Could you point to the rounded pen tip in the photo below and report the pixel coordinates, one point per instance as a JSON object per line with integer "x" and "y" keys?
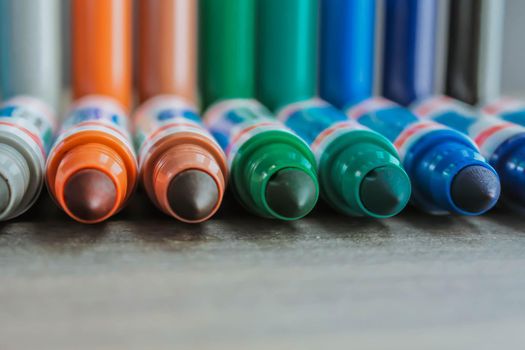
{"x": 475, "y": 189}
{"x": 383, "y": 191}
{"x": 193, "y": 195}
{"x": 90, "y": 195}
{"x": 291, "y": 193}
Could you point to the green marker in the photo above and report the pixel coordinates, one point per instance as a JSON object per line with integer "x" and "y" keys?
{"x": 272, "y": 170}
{"x": 287, "y": 53}
{"x": 227, "y": 49}
{"x": 360, "y": 173}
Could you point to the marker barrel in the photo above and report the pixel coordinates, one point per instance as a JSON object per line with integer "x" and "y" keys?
{"x": 94, "y": 137}
{"x": 30, "y": 50}
{"x": 287, "y": 51}
{"x": 227, "y": 49}
{"x": 258, "y": 149}
{"x": 27, "y": 126}
{"x": 347, "y": 50}
{"x": 167, "y": 44}
{"x": 475, "y": 50}
{"x": 171, "y": 139}
{"x": 500, "y": 140}
{"x": 463, "y": 50}
{"x": 410, "y": 50}
{"x": 101, "y": 49}
{"x": 347, "y": 154}
{"x": 432, "y": 154}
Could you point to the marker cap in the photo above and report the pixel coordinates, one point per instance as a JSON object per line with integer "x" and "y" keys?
{"x": 14, "y": 180}
{"x": 276, "y": 162}
{"x": 104, "y": 165}
{"x": 361, "y": 175}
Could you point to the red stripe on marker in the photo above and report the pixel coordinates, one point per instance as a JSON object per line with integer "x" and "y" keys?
{"x": 34, "y": 137}
{"x": 483, "y": 137}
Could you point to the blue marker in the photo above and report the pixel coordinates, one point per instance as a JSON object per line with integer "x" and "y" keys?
{"x": 347, "y": 50}
{"x": 410, "y": 50}
{"x": 500, "y": 140}
{"x": 448, "y": 173}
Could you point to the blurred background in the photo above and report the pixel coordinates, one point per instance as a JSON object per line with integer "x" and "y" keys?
{"x": 513, "y": 72}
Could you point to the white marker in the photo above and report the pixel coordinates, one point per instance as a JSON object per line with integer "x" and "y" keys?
{"x": 27, "y": 126}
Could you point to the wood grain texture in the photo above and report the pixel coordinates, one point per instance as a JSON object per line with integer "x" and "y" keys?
{"x": 143, "y": 281}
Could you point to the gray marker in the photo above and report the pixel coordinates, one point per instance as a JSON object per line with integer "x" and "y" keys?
{"x": 27, "y": 126}
{"x": 30, "y": 54}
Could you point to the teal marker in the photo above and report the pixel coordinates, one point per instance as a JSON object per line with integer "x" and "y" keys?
{"x": 360, "y": 173}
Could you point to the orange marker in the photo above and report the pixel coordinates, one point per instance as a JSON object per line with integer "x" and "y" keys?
{"x": 167, "y": 48}
{"x": 183, "y": 169}
{"x": 101, "y": 44}
{"x": 91, "y": 170}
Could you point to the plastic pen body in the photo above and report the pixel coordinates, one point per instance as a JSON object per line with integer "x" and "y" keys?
{"x": 410, "y": 49}
{"x": 347, "y": 50}
{"x": 439, "y": 160}
{"x": 30, "y": 50}
{"x": 474, "y": 50}
{"x": 167, "y": 49}
{"x": 227, "y": 50}
{"x": 101, "y": 49}
{"x": 287, "y": 51}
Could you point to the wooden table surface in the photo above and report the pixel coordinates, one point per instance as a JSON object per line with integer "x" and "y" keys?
{"x": 143, "y": 281}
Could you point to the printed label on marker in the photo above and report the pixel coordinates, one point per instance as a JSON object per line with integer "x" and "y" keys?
{"x": 325, "y": 139}
{"x": 31, "y": 119}
{"x": 502, "y": 106}
{"x": 487, "y": 132}
{"x": 413, "y": 134}
{"x": 97, "y": 113}
{"x": 318, "y": 123}
{"x": 383, "y": 116}
{"x": 370, "y": 105}
{"x": 508, "y": 109}
{"x": 234, "y": 122}
{"x": 436, "y": 106}
{"x": 447, "y": 111}
{"x": 164, "y": 116}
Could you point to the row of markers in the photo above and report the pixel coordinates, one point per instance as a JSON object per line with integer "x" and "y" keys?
{"x": 365, "y": 155}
